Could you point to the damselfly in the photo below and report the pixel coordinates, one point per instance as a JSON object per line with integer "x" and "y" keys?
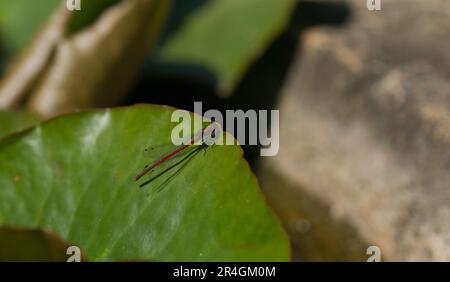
{"x": 203, "y": 139}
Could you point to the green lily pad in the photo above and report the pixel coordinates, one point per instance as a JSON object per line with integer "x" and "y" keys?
{"x": 73, "y": 175}
{"x": 226, "y": 36}
{"x": 11, "y": 121}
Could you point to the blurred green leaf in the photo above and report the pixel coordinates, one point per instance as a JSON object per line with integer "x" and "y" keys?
{"x": 20, "y": 19}
{"x": 74, "y": 175}
{"x": 93, "y": 67}
{"x": 91, "y": 10}
{"x": 11, "y": 121}
{"x": 226, "y": 36}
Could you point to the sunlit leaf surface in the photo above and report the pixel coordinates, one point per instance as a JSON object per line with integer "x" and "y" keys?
{"x": 73, "y": 175}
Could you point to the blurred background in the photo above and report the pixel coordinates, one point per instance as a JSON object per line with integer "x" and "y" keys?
{"x": 363, "y": 96}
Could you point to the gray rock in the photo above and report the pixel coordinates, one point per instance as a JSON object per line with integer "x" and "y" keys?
{"x": 365, "y": 134}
